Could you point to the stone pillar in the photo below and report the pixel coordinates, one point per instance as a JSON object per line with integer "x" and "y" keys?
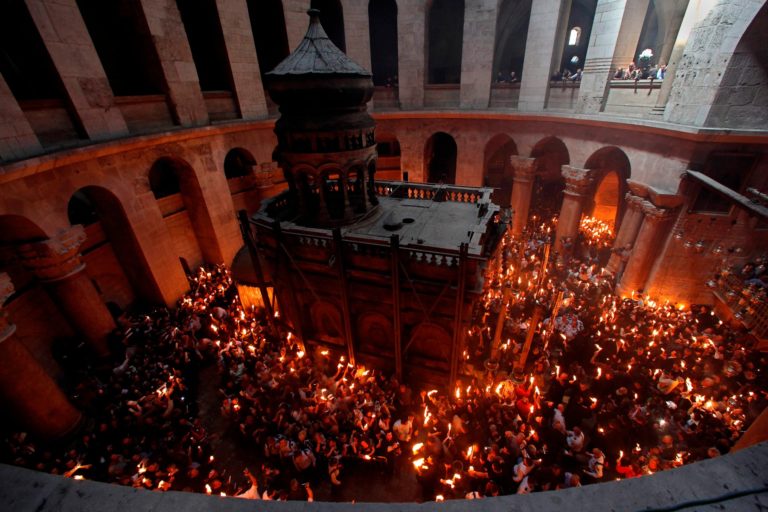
{"x": 17, "y": 138}
{"x": 411, "y": 58}
{"x": 357, "y": 31}
{"x": 545, "y": 36}
{"x": 56, "y": 263}
{"x": 32, "y": 397}
{"x": 243, "y": 61}
{"x": 612, "y": 44}
{"x": 630, "y": 225}
{"x": 522, "y": 190}
{"x": 477, "y": 53}
{"x": 695, "y": 12}
{"x": 646, "y": 248}
{"x": 66, "y": 38}
{"x": 578, "y": 185}
{"x": 179, "y": 72}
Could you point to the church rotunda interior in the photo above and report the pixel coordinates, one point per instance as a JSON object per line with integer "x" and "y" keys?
{"x": 383, "y": 250}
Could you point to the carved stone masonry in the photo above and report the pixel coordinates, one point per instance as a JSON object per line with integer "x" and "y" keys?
{"x": 524, "y": 167}
{"x": 56, "y": 258}
{"x": 655, "y": 214}
{"x": 633, "y": 201}
{"x": 578, "y": 182}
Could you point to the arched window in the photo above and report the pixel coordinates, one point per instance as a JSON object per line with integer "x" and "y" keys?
{"x": 445, "y": 38}
{"x": 238, "y": 163}
{"x": 574, "y": 36}
{"x": 163, "y": 179}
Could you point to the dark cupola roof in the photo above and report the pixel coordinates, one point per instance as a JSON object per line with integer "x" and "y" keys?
{"x": 317, "y": 55}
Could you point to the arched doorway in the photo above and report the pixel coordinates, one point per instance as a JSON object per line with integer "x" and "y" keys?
{"x": 613, "y": 170}
{"x": 114, "y": 260}
{"x": 243, "y": 187}
{"x": 388, "y": 161}
{"x": 440, "y": 159}
{"x": 511, "y": 36}
{"x": 181, "y": 202}
{"x": 497, "y": 172}
{"x": 550, "y": 154}
{"x": 382, "y": 26}
{"x": 332, "y": 19}
{"x": 445, "y": 36}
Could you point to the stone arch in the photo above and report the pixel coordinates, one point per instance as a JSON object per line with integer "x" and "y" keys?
{"x": 551, "y": 154}
{"x": 375, "y": 334}
{"x": 327, "y": 322}
{"x": 382, "y": 26}
{"x": 440, "y": 152}
{"x": 430, "y": 345}
{"x": 497, "y": 172}
{"x": 269, "y": 33}
{"x": 610, "y": 184}
{"x": 125, "y": 272}
{"x": 238, "y": 163}
{"x": 445, "y": 36}
{"x": 356, "y": 186}
{"x": 332, "y": 19}
{"x": 511, "y": 35}
{"x": 190, "y": 200}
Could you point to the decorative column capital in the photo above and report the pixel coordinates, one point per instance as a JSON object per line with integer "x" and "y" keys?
{"x": 633, "y": 201}
{"x": 6, "y": 290}
{"x": 524, "y": 167}
{"x": 56, "y": 258}
{"x": 578, "y": 182}
{"x": 655, "y": 214}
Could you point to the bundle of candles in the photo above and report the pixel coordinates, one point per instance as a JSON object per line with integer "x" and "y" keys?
{"x": 596, "y": 232}
{"x": 613, "y": 388}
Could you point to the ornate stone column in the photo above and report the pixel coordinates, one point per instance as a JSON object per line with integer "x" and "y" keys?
{"x": 646, "y": 248}
{"x": 578, "y": 185}
{"x": 56, "y": 262}
{"x": 522, "y": 190}
{"x": 33, "y": 398}
{"x": 630, "y": 225}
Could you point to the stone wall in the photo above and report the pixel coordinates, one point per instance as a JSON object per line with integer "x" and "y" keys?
{"x": 702, "y": 70}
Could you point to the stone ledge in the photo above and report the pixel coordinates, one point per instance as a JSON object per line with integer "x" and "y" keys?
{"x": 736, "y": 481}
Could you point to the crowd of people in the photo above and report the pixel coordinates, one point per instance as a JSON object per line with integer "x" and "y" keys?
{"x": 634, "y": 72}
{"x": 613, "y": 387}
